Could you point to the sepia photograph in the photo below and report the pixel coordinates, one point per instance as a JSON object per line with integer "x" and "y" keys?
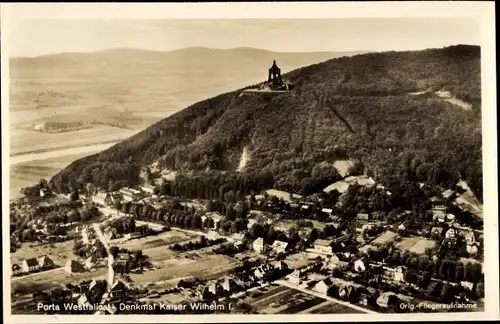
{"x": 249, "y": 159}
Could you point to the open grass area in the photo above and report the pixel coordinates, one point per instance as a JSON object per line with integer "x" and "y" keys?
{"x": 415, "y": 244}
{"x": 51, "y": 279}
{"x": 421, "y": 245}
{"x": 298, "y": 260}
{"x": 59, "y": 252}
{"x": 334, "y": 308}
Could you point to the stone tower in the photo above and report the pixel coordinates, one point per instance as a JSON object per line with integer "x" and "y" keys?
{"x": 275, "y": 75}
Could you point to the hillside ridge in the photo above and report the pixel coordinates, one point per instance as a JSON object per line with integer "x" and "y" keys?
{"x": 295, "y": 139}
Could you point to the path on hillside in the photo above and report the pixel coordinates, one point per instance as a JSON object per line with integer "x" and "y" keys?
{"x": 323, "y": 103}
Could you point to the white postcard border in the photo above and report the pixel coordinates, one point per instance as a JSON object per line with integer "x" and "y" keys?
{"x": 482, "y": 11}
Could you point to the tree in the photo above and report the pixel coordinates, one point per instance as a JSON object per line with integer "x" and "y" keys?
{"x": 74, "y": 196}
{"x": 197, "y": 222}
{"x": 203, "y": 241}
{"x": 479, "y": 291}
{"x": 118, "y": 206}
{"x": 256, "y": 230}
{"x": 114, "y": 251}
{"x": 313, "y": 236}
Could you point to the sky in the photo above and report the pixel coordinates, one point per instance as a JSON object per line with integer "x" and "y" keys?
{"x": 35, "y": 37}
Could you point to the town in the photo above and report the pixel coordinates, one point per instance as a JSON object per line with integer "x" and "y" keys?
{"x": 347, "y": 249}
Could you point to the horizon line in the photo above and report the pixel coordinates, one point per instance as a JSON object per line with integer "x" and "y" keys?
{"x": 232, "y": 49}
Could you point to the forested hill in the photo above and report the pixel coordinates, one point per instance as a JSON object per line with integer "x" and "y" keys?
{"x": 379, "y": 108}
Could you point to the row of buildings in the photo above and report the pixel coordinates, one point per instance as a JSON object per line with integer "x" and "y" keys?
{"x": 33, "y": 265}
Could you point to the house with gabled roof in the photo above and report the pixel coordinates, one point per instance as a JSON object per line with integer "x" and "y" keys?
{"x": 83, "y": 301}
{"x": 362, "y": 217}
{"x": 258, "y": 245}
{"x": 216, "y": 289}
{"x": 45, "y": 262}
{"x": 230, "y": 285}
{"x": 296, "y": 277}
{"x": 323, "y": 286}
{"x": 281, "y": 265}
{"x": 110, "y": 233}
{"x": 102, "y": 198}
{"x": 117, "y": 288}
{"x": 323, "y": 246}
{"x": 90, "y": 262}
{"x": 279, "y": 246}
{"x": 30, "y": 265}
{"x": 130, "y": 194}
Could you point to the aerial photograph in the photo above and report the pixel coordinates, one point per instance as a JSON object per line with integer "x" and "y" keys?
{"x": 245, "y": 166}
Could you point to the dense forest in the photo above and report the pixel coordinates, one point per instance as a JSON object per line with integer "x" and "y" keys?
{"x": 377, "y": 108}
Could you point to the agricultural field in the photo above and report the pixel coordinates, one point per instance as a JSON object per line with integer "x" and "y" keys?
{"x": 26, "y": 141}
{"x": 29, "y": 173}
{"x": 59, "y": 252}
{"x": 283, "y": 300}
{"x": 415, "y": 244}
{"x": 207, "y": 267}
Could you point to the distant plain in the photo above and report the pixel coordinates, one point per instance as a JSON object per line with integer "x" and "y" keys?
{"x": 73, "y": 100}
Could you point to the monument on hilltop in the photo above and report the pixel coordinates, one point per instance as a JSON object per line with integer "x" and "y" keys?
{"x": 274, "y": 79}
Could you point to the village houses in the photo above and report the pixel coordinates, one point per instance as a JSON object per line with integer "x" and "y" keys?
{"x": 102, "y": 198}
{"x": 30, "y": 265}
{"x": 130, "y": 194}
{"x": 363, "y": 217}
{"x": 148, "y": 188}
